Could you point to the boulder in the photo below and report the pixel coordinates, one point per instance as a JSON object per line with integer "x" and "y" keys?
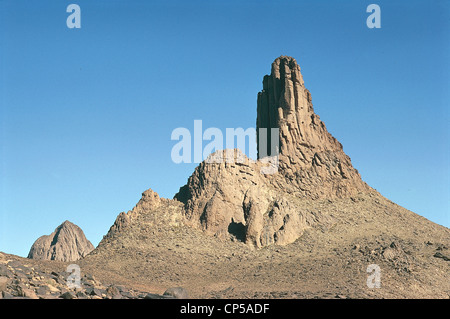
{"x": 68, "y": 295}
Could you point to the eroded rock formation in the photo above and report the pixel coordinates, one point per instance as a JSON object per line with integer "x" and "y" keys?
{"x": 149, "y": 202}
{"x": 236, "y": 199}
{"x": 312, "y": 162}
{"x": 66, "y": 243}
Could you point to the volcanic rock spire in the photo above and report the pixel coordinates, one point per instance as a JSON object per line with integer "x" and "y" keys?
{"x": 236, "y": 199}
{"x": 311, "y": 161}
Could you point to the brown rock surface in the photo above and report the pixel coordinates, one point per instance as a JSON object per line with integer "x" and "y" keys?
{"x": 234, "y": 200}
{"x": 66, "y": 243}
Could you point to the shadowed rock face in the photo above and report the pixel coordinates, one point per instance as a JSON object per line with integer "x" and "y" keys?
{"x": 66, "y": 243}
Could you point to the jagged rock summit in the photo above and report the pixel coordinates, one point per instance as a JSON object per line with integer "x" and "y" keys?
{"x": 312, "y": 162}
{"x": 236, "y": 198}
{"x": 66, "y": 243}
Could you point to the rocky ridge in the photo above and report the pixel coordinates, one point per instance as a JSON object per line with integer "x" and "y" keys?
{"x": 234, "y": 200}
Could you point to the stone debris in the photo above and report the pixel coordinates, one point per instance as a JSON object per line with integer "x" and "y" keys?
{"x": 19, "y": 281}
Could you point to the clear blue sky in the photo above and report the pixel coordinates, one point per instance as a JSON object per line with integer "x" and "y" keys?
{"x": 86, "y": 114}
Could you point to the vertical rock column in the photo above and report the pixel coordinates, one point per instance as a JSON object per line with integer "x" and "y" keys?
{"x": 311, "y": 161}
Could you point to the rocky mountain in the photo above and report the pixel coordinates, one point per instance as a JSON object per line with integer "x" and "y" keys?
{"x": 66, "y": 243}
{"x": 262, "y": 209}
{"x": 311, "y": 229}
